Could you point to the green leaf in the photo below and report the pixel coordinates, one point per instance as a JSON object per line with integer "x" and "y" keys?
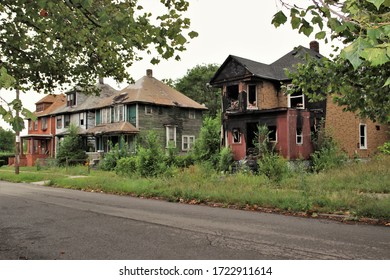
{"x": 387, "y": 82}
{"x": 320, "y": 35}
{"x": 377, "y": 3}
{"x": 295, "y": 22}
{"x": 306, "y": 28}
{"x": 193, "y": 34}
{"x": 279, "y": 19}
{"x": 353, "y": 51}
{"x": 376, "y": 56}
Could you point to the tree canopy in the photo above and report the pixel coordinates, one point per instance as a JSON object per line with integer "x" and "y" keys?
{"x": 195, "y": 85}
{"x": 360, "y": 73}
{"x": 48, "y": 43}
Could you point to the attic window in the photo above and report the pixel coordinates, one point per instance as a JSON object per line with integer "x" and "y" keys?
{"x": 40, "y": 107}
{"x": 296, "y": 101}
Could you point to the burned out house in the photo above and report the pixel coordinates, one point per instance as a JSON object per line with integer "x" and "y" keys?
{"x": 252, "y": 95}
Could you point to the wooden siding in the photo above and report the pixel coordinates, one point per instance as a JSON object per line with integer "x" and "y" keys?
{"x": 163, "y": 116}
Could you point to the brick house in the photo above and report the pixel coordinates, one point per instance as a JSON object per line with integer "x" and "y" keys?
{"x": 41, "y": 132}
{"x": 253, "y": 95}
{"x": 356, "y": 136}
{"x": 147, "y": 105}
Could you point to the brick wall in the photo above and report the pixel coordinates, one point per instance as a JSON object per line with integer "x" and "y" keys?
{"x": 344, "y": 127}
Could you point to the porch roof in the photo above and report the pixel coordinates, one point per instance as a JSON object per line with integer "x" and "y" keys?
{"x": 44, "y": 136}
{"x": 110, "y": 128}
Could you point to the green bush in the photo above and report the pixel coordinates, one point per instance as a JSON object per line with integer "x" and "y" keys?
{"x": 150, "y": 159}
{"x": 207, "y": 145}
{"x": 273, "y": 166}
{"x": 225, "y": 159}
{"x": 126, "y": 166}
{"x": 120, "y": 150}
{"x": 184, "y": 161}
{"x": 385, "y": 149}
{"x": 71, "y": 150}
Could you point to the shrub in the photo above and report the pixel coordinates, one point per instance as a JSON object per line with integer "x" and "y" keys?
{"x": 273, "y": 166}
{"x": 225, "y": 159}
{"x": 71, "y": 149}
{"x": 126, "y": 166}
{"x": 184, "y": 161}
{"x": 207, "y": 146}
{"x": 150, "y": 159}
{"x": 385, "y": 149}
{"x": 120, "y": 150}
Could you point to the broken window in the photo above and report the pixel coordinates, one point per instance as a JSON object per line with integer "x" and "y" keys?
{"x": 252, "y": 97}
{"x": 363, "y": 136}
{"x": 236, "y": 136}
{"x": 170, "y": 135}
{"x": 299, "y": 136}
{"x": 272, "y": 136}
{"x": 296, "y": 101}
{"x": 232, "y": 96}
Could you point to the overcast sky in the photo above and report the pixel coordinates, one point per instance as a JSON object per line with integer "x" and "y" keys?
{"x": 225, "y": 27}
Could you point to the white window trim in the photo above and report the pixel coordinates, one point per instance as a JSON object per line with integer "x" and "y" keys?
{"x": 252, "y": 107}
{"x": 118, "y": 111}
{"x": 189, "y": 144}
{"x": 299, "y": 135}
{"x": 296, "y": 96}
{"x": 167, "y": 140}
{"x": 363, "y": 147}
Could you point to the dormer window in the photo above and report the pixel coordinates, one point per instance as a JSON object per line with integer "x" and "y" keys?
{"x": 40, "y": 107}
{"x": 71, "y": 99}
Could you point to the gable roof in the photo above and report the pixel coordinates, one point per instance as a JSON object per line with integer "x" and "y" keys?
{"x": 274, "y": 71}
{"x": 152, "y": 91}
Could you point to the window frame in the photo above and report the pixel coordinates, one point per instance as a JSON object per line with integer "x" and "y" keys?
{"x": 250, "y": 106}
{"x": 236, "y": 140}
{"x": 363, "y": 137}
{"x": 167, "y": 135}
{"x": 148, "y": 110}
{"x": 186, "y": 140}
{"x": 66, "y": 121}
{"x": 299, "y": 136}
{"x": 59, "y": 121}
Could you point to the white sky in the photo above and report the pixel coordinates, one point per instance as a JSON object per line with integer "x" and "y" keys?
{"x": 241, "y": 28}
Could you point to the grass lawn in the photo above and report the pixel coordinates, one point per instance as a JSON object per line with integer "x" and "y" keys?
{"x": 358, "y": 190}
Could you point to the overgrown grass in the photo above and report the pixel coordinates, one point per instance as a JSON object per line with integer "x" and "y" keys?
{"x": 358, "y": 189}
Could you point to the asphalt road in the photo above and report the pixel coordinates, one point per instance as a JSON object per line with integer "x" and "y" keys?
{"x": 38, "y": 222}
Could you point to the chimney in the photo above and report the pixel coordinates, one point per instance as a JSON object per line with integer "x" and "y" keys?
{"x": 101, "y": 80}
{"x": 149, "y": 73}
{"x": 315, "y": 46}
